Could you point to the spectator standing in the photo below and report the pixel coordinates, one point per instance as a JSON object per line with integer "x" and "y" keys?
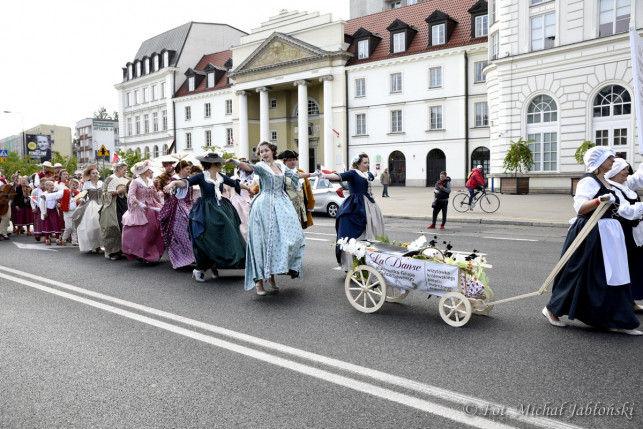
{"x": 441, "y": 202}
{"x": 385, "y": 178}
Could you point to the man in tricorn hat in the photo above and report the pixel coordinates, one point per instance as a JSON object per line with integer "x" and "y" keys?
{"x": 302, "y": 197}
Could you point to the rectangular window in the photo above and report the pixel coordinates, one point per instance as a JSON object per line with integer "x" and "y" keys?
{"x": 273, "y": 136}
{"x": 162, "y": 89}
{"x": 228, "y": 107}
{"x": 362, "y": 49}
{"x": 614, "y": 17}
{"x": 437, "y": 35}
{"x": 360, "y": 87}
{"x": 137, "y": 99}
{"x": 207, "y": 109}
{"x": 396, "y": 82}
{"x": 229, "y": 137}
{"x": 495, "y": 46}
{"x": 155, "y": 93}
{"x": 155, "y": 121}
{"x": 129, "y": 126}
{"x": 164, "y": 120}
{"x": 436, "y": 117}
{"x": 482, "y": 115}
{"x": 188, "y": 113}
{"x": 146, "y": 123}
{"x": 273, "y": 103}
{"x": 544, "y": 150}
{"x": 188, "y": 140}
{"x": 435, "y": 77}
{"x": 399, "y": 42}
{"x": 602, "y": 138}
{"x": 208, "y": 138}
{"x": 210, "y": 80}
{"x": 191, "y": 83}
{"x": 620, "y": 136}
{"x": 144, "y": 95}
{"x": 360, "y": 124}
{"x": 492, "y": 11}
{"x": 481, "y": 26}
{"x": 543, "y": 31}
{"x": 137, "y": 121}
{"x": 396, "y": 121}
{"x": 480, "y": 76}
{"x": 129, "y": 99}
{"x": 535, "y": 2}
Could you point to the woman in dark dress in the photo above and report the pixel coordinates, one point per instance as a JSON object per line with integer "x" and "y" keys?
{"x": 213, "y": 224}
{"x": 359, "y": 217}
{"x": 594, "y": 285}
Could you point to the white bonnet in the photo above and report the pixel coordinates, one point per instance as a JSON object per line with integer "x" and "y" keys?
{"x": 619, "y": 165}
{"x": 596, "y": 156}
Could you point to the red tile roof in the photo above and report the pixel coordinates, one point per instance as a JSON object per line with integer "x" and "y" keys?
{"x": 217, "y": 59}
{"x": 414, "y": 15}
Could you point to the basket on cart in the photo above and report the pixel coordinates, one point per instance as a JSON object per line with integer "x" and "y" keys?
{"x": 388, "y": 273}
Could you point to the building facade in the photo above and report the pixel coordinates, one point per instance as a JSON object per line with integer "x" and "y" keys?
{"x": 146, "y": 109}
{"x": 560, "y": 73}
{"x": 92, "y": 135}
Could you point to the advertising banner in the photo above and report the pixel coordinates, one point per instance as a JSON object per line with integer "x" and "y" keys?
{"x": 38, "y": 147}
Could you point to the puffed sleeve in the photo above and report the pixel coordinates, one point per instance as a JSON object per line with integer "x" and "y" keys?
{"x": 293, "y": 176}
{"x": 585, "y": 191}
{"x": 131, "y": 194}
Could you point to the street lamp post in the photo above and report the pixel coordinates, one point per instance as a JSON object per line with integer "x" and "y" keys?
{"x": 22, "y": 125}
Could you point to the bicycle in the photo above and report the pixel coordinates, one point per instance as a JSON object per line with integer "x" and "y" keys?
{"x": 489, "y": 203}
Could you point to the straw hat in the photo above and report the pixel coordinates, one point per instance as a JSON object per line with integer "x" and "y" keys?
{"x": 56, "y": 165}
{"x": 47, "y": 164}
{"x": 141, "y": 167}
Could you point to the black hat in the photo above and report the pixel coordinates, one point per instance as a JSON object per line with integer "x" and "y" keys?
{"x": 288, "y": 154}
{"x": 211, "y": 158}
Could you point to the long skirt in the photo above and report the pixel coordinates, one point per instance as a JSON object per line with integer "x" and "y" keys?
{"x": 581, "y": 292}
{"x": 37, "y": 224}
{"x": 374, "y": 228}
{"x": 22, "y": 216}
{"x": 50, "y": 223}
{"x": 174, "y": 229}
{"x": 144, "y": 241}
{"x": 215, "y": 235}
{"x": 86, "y": 219}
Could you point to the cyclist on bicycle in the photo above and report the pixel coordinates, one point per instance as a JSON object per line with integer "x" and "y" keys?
{"x": 475, "y": 183}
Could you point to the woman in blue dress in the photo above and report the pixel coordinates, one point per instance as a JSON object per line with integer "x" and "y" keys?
{"x": 359, "y": 217}
{"x": 213, "y": 223}
{"x": 276, "y": 242}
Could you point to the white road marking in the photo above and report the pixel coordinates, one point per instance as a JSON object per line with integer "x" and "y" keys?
{"x": 319, "y": 233}
{"x": 40, "y": 246}
{"x": 461, "y": 402}
{"x": 318, "y": 239}
{"x": 510, "y": 239}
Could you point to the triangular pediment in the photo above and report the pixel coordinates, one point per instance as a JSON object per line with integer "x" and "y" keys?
{"x": 279, "y": 49}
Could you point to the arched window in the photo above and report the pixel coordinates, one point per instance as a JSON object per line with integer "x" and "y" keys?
{"x": 542, "y": 128}
{"x": 156, "y": 151}
{"x": 436, "y": 161}
{"x": 397, "y": 168}
{"x": 138, "y": 151}
{"x": 481, "y": 156}
{"x": 146, "y": 152}
{"x": 165, "y": 150}
{"x": 611, "y": 117}
{"x": 313, "y": 108}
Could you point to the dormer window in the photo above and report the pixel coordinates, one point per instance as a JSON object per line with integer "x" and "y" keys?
{"x": 365, "y": 43}
{"x": 211, "y": 82}
{"x": 441, "y": 28}
{"x": 362, "y": 49}
{"x": 479, "y": 19}
{"x": 191, "y": 83}
{"x": 213, "y": 74}
{"x": 147, "y": 66}
{"x": 402, "y": 35}
{"x": 156, "y": 62}
{"x": 129, "y": 72}
{"x": 138, "y": 69}
{"x": 166, "y": 59}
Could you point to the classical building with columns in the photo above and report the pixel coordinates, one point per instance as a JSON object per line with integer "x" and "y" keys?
{"x": 289, "y": 84}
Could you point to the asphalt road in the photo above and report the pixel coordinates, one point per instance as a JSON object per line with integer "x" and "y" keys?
{"x": 86, "y": 342}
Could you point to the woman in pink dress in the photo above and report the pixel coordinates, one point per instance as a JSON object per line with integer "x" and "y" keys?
{"x": 142, "y": 238}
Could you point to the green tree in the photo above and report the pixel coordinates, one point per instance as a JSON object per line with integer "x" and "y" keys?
{"x": 24, "y": 164}
{"x": 131, "y": 157}
{"x": 580, "y": 151}
{"x": 102, "y": 113}
{"x": 227, "y": 168}
{"x": 115, "y": 115}
{"x": 518, "y": 157}
{"x": 69, "y": 163}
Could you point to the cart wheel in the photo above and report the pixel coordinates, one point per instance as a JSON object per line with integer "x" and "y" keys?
{"x": 395, "y": 294}
{"x": 483, "y": 306}
{"x": 455, "y": 309}
{"x": 365, "y": 289}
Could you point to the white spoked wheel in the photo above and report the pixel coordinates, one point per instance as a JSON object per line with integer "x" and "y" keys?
{"x": 395, "y": 294}
{"x": 365, "y": 289}
{"x": 455, "y": 309}
{"x": 484, "y": 306}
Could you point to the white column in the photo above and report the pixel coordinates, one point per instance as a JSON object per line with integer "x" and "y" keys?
{"x": 329, "y": 135}
{"x": 244, "y": 151}
{"x": 302, "y": 103}
{"x": 264, "y": 114}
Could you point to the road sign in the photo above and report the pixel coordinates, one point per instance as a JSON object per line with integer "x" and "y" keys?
{"x": 3, "y": 155}
{"x": 103, "y": 152}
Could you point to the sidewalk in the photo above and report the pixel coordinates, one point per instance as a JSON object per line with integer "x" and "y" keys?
{"x": 530, "y": 209}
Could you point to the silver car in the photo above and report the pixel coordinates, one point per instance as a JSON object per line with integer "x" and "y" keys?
{"x": 328, "y": 195}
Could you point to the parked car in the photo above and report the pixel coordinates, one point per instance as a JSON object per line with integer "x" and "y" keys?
{"x": 328, "y": 195}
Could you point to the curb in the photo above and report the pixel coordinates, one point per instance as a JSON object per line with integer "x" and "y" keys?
{"x": 518, "y": 222}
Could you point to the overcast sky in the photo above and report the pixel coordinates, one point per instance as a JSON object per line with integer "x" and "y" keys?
{"x": 60, "y": 59}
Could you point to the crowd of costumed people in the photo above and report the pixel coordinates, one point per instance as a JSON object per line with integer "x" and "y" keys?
{"x": 254, "y": 220}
